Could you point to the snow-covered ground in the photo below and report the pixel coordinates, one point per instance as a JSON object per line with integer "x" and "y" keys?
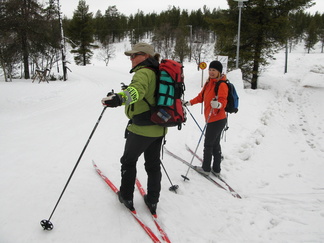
{"x": 274, "y": 158}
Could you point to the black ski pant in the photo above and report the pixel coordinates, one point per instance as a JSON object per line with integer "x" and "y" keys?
{"x": 134, "y": 147}
{"x": 212, "y": 147}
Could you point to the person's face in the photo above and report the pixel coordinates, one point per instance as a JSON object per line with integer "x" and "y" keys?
{"x": 213, "y": 73}
{"x": 137, "y": 58}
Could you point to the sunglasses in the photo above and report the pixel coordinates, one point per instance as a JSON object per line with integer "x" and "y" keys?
{"x": 136, "y": 54}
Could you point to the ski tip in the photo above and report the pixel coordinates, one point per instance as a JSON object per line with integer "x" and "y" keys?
{"x": 237, "y": 196}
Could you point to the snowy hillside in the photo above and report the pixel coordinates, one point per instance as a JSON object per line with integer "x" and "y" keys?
{"x": 274, "y": 158}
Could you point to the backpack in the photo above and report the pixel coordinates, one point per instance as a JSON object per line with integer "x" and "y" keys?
{"x": 232, "y": 97}
{"x": 169, "y": 111}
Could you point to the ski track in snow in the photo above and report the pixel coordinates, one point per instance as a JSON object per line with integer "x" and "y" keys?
{"x": 273, "y": 152}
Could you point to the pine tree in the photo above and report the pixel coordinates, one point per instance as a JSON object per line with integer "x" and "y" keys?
{"x": 321, "y": 32}
{"x": 181, "y": 49}
{"x": 80, "y": 32}
{"x": 26, "y": 27}
{"x": 264, "y": 28}
{"x": 8, "y": 47}
{"x": 311, "y": 35}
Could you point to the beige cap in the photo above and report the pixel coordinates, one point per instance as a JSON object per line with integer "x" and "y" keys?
{"x": 141, "y": 47}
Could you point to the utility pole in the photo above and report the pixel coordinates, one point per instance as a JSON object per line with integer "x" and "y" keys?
{"x": 240, "y": 5}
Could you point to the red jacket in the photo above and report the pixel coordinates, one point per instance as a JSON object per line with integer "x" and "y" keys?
{"x": 207, "y": 94}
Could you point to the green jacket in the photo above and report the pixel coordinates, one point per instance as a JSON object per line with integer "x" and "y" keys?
{"x": 142, "y": 85}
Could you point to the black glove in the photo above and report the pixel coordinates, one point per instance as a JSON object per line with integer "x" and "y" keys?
{"x": 112, "y": 100}
{"x": 111, "y": 93}
{"x": 123, "y": 86}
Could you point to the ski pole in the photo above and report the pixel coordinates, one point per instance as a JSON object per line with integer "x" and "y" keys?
{"x": 193, "y": 118}
{"x": 46, "y": 223}
{"x": 172, "y": 187}
{"x": 185, "y": 177}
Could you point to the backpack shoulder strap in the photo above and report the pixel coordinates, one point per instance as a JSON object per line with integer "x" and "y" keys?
{"x": 156, "y": 71}
{"x": 217, "y": 85}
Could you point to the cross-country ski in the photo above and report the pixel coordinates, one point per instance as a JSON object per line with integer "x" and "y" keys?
{"x": 219, "y": 184}
{"x": 233, "y": 192}
{"x": 134, "y": 213}
{"x": 154, "y": 216}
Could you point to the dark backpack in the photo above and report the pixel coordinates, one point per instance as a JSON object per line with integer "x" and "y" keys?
{"x": 232, "y": 97}
{"x": 168, "y": 111}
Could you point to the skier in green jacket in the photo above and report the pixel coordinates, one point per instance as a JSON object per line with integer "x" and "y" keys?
{"x": 143, "y": 136}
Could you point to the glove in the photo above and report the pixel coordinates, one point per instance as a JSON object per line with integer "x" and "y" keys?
{"x": 215, "y": 104}
{"x": 112, "y": 100}
{"x": 123, "y": 86}
{"x": 186, "y": 103}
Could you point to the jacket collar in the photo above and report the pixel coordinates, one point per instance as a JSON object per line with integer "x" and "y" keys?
{"x": 214, "y": 80}
{"x": 147, "y": 63}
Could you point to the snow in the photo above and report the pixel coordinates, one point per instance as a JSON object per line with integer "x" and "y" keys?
{"x": 273, "y": 152}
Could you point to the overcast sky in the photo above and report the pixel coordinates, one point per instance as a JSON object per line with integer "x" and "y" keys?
{"x": 128, "y": 7}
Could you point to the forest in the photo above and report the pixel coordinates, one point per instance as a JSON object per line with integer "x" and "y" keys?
{"x": 34, "y": 36}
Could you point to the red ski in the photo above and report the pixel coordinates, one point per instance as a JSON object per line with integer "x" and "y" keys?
{"x": 135, "y": 215}
{"x": 154, "y": 216}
